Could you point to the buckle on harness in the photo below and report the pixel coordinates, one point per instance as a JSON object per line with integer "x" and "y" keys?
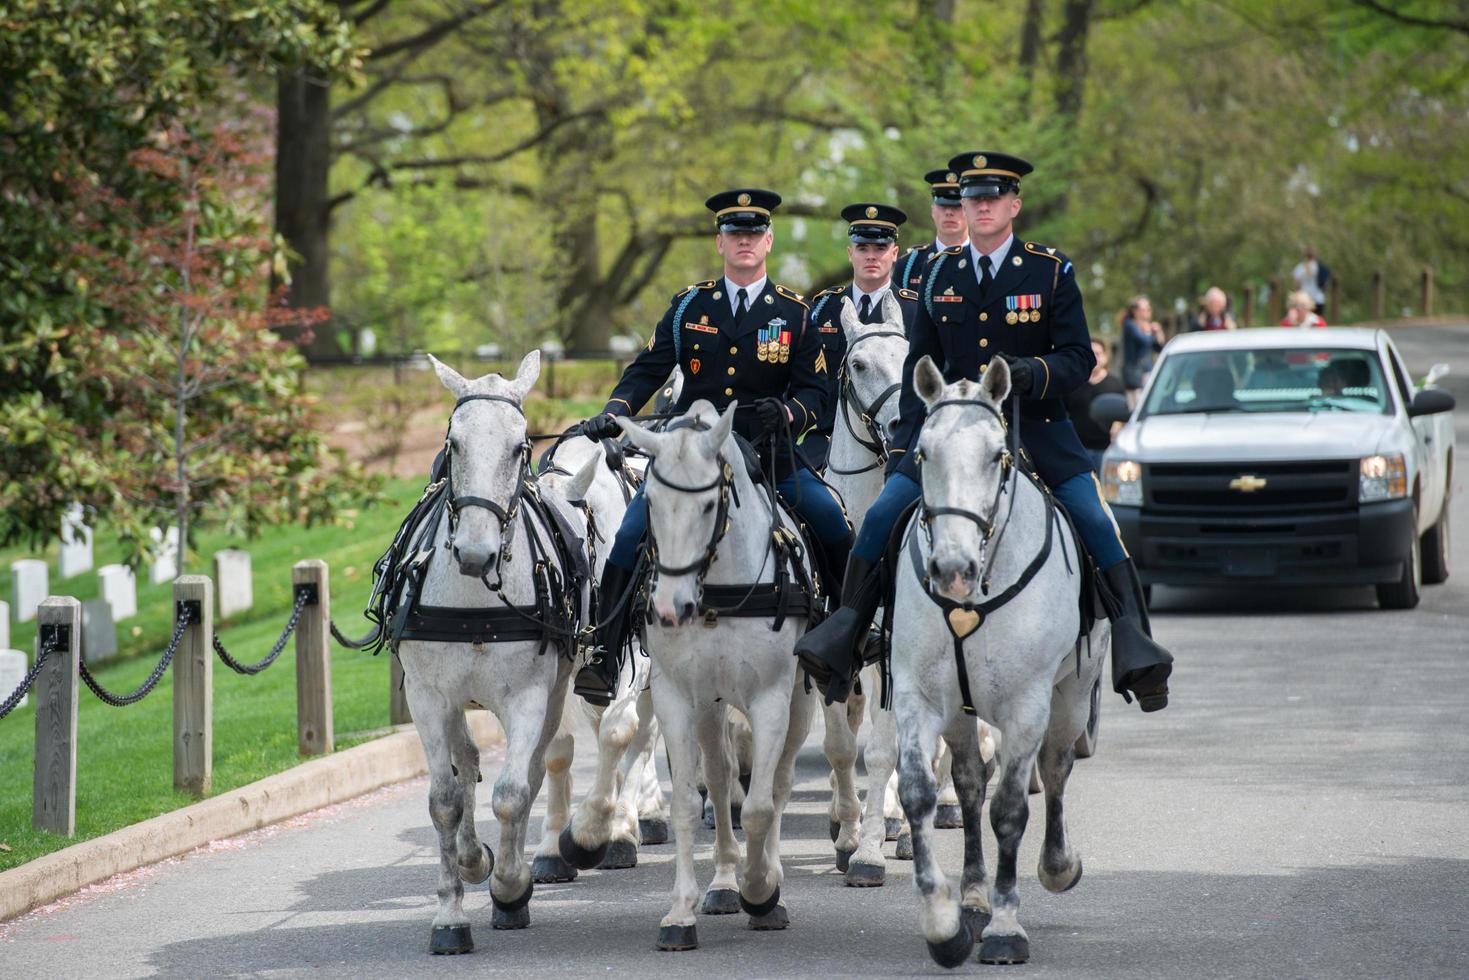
{"x": 711, "y": 618}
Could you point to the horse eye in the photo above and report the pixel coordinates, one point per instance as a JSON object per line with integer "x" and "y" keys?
{"x": 859, "y": 365}
{"x": 709, "y": 507}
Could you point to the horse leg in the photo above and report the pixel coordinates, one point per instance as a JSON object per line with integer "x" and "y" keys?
{"x": 770, "y": 726}
{"x": 475, "y": 861}
{"x": 971, "y": 773}
{"x": 676, "y": 931}
{"x": 948, "y": 935}
{"x": 586, "y": 843}
{"x": 528, "y": 731}
{"x": 1004, "y": 939}
{"x": 652, "y": 812}
{"x": 1060, "y": 867}
{"x": 722, "y": 896}
{"x": 799, "y": 725}
{"x": 548, "y": 865}
{"x": 626, "y": 830}
{"x": 840, "y": 747}
{"x": 867, "y": 868}
{"x": 948, "y": 816}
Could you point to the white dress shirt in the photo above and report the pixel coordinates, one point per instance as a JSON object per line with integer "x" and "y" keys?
{"x": 996, "y": 257}
{"x": 752, "y": 292}
{"x": 874, "y": 298}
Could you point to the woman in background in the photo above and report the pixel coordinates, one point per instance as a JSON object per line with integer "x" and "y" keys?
{"x": 1142, "y": 337}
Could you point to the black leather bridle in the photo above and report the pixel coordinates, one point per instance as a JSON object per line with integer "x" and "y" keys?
{"x": 724, "y": 482}
{"x": 505, "y": 513}
{"x": 876, "y": 440}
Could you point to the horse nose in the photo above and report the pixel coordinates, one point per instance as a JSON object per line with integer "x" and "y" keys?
{"x": 953, "y": 576}
{"x": 687, "y": 611}
{"x": 475, "y": 562}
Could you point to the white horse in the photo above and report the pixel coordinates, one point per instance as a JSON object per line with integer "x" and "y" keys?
{"x": 624, "y": 807}
{"x": 989, "y": 570}
{"x": 703, "y": 506}
{"x": 485, "y": 531}
{"x": 870, "y": 379}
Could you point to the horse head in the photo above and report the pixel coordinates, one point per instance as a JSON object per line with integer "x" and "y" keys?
{"x": 964, "y": 461}
{"x": 687, "y": 488}
{"x": 488, "y": 456}
{"x": 872, "y": 371}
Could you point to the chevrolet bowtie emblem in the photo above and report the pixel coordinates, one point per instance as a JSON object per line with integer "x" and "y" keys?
{"x": 1248, "y": 483}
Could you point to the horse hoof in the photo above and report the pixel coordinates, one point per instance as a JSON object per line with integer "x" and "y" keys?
{"x": 450, "y": 940}
{"x": 891, "y": 828}
{"x": 905, "y": 847}
{"x": 774, "y": 920}
{"x": 550, "y": 870}
{"x": 835, "y": 828}
{"x": 977, "y": 919}
{"x": 862, "y": 875}
{"x": 514, "y": 914}
{"x": 1062, "y": 881}
{"x": 576, "y": 855}
{"x": 954, "y": 950}
{"x": 756, "y": 911}
{"x": 489, "y": 867}
{"x": 720, "y": 901}
{"x": 676, "y": 938}
{"x": 948, "y": 816}
{"x": 1004, "y": 949}
{"x": 844, "y": 859}
{"x": 620, "y": 854}
{"x": 653, "y": 830}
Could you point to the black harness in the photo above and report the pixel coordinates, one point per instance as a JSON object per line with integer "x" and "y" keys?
{"x": 875, "y": 441}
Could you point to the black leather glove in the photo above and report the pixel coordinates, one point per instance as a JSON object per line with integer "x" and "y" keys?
{"x": 772, "y": 412}
{"x": 601, "y": 427}
{"x": 1022, "y": 374}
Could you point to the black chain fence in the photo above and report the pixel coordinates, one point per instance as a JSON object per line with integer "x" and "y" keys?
{"x": 304, "y": 597}
{"x": 185, "y": 616}
{"x": 47, "y": 647}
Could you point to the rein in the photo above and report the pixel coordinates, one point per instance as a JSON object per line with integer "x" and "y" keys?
{"x": 876, "y": 441}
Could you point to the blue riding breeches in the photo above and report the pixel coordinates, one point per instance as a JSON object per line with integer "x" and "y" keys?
{"x": 817, "y": 506}
{"x": 1080, "y": 494}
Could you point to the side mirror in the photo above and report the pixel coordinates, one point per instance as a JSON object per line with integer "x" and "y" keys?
{"x": 1429, "y": 401}
{"x": 1107, "y": 409}
{"x": 1435, "y": 374}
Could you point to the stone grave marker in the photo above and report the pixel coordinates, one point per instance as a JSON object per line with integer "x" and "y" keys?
{"x": 99, "y": 633}
{"x": 29, "y": 584}
{"x": 76, "y": 543}
{"x": 165, "y": 567}
{"x": 119, "y": 586}
{"x": 4, "y": 626}
{"x": 13, "y": 666}
{"x": 232, "y": 582}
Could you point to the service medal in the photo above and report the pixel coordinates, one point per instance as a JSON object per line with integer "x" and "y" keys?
{"x": 1011, "y": 317}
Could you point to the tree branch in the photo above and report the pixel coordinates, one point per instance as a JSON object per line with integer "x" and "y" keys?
{"x": 1461, "y": 26}
{"x": 434, "y": 33}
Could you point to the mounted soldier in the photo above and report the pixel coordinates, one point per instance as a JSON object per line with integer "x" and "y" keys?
{"x": 736, "y": 338}
{"x": 949, "y": 229}
{"x": 872, "y": 230}
{"x": 999, "y": 297}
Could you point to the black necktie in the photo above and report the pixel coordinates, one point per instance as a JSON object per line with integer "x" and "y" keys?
{"x": 985, "y": 278}
{"x": 740, "y": 305}
{"x": 864, "y": 310}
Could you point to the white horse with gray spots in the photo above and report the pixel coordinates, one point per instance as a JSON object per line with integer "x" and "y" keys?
{"x": 989, "y": 604}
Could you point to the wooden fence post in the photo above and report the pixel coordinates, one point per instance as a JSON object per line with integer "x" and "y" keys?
{"x": 1248, "y": 307}
{"x": 397, "y": 699}
{"x": 1379, "y": 296}
{"x": 1276, "y": 307}
{"x": 193, "y": 687}
{"x": 313, "y": 660}
{"x": 54, "y": 796}
{"x": 1427, "y": 290}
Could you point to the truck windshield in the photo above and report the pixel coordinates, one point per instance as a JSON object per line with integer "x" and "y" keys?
{"x": 1300, "y": 379}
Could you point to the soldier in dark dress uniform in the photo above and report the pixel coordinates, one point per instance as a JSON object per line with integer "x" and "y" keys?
{"x": 1001, "y": 297}
{"x": 948, "y": 229}
{"x": 737, "y": 338}
{"x": 873, "y": 231}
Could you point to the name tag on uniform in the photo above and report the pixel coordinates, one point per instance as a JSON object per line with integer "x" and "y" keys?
{"x": 701, "y": 327}
{"x": 948, "y": 299}
{"x": 829, "y": 329}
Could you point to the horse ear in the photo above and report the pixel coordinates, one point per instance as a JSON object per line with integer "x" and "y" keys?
{"x": 457, "y": 384}
{"x": 892, "y": 313}
{"x": 850, "y": 324}
{"x": 526, "y": 374}
{"x": 995, "y": 384}
{"x": 645, "y": 439}
{"x": 576, "y": 490}
{"x": 928, "y": 380}
{"x": 716, "y": 437}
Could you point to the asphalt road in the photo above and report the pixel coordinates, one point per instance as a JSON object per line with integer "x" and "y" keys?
{"x": 1300, "y": 810}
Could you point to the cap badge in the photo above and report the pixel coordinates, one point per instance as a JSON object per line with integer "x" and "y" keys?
{"x": 743, "y": 200}
{"x": 953, "y": 178}
{"x": 979, "y": 160}
{"x": 871, "y": 211}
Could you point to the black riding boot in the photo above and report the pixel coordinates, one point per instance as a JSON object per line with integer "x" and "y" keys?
{"x": 835, "y": 555}
{"x": 829, "y": 652}
{"x": 597, "y": 681}
{"x": 1139, "y": 665}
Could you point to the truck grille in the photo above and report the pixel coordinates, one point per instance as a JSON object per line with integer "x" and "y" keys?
{"x": 1203, "y": 489}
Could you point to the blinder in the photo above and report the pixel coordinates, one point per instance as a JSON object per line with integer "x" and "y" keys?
{"x": 876, "y": 441}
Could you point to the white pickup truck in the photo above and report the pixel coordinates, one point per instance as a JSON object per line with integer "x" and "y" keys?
{"x": 1284, "y": 457}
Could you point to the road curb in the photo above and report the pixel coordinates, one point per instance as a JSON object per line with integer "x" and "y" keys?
{"x": 301, "y": 789}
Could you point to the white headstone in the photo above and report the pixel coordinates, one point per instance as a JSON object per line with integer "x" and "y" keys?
{"x": 4, "y": 625}
{"x": 76, "y": 543}
{"x": 99, "y": 634}
{"x": 232, "y": 581}
{"x": 165, "y": 566}
{"x": 29, "y": 585}
{"x": 119, "y": 586}
{"x": 13, "y": 667}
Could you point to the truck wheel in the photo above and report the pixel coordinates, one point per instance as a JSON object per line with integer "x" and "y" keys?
{"x": 1404, "y": 593}
{"x": 1435, "y": 545}
{"x": 1086, "y": 742}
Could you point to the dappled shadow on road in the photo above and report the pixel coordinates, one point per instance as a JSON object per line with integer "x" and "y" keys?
{"x": 1389, "y": 919}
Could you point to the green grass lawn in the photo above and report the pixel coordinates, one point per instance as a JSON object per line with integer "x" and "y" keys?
{"x": 124, "y": 755}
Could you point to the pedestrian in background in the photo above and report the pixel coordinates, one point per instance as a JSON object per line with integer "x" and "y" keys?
{"x": 1142, "y": 337}
{"x": 1095, "y": 436}
{"x": 1311, "y": 278}
{"x": 1214, "y": 312}
{"x": 1300, "y": 312}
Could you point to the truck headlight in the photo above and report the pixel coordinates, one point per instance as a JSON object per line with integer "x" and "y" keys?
{"x": 1122, "y": 482}
{"x": 1384, "y": 477}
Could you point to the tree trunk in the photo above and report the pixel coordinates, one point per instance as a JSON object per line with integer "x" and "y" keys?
{"x": 1030, "y": 45}
{"x": 302, "y": 214}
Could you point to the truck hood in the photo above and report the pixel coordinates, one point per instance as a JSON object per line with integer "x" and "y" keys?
{"x": 1262, "y": 436}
